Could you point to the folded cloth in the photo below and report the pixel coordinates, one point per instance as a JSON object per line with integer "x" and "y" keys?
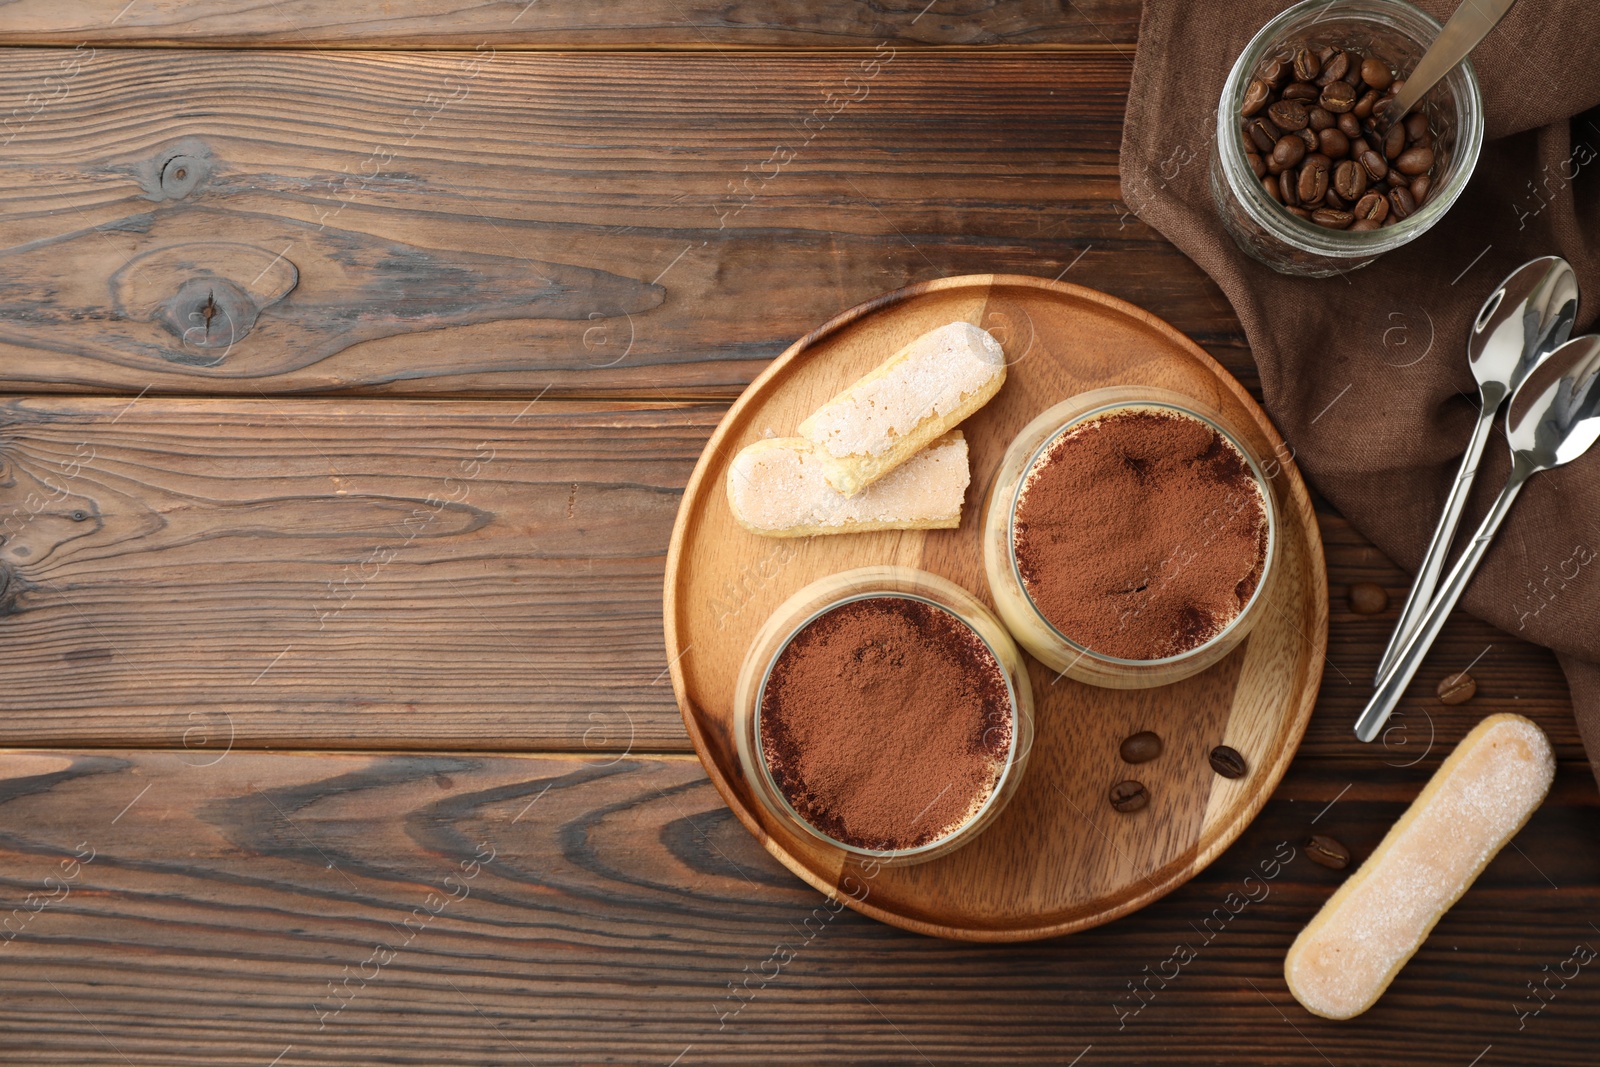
{"x": 1366, "y": 374}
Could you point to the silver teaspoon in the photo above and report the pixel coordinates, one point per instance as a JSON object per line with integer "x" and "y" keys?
{"x": 1553, "y": 419}
{"x": 1521, "y": 323}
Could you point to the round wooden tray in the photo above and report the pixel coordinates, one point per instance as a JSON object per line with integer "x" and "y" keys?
{"x": 1058, "y": 859}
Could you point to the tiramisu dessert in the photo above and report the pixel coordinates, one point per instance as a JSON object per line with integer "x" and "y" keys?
{"x": 886, "y": 723}
{"x": 1135, "y": 533}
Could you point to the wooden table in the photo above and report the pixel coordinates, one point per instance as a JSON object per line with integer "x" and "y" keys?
{"x": 356, "y": 356}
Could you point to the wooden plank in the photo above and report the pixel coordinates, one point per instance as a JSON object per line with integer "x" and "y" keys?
{"x": 262, "y": 570}
{"x": 572, "y": 24}
{"x": 339, "y": 908}
{"x": 470, "y": 223}
{"x": 311, "y": 573}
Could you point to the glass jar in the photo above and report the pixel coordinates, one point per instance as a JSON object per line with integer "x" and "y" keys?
{"x": 834, "y": 591}
{"x": 1016, "y": 606}
{"x": 1393, "y": 32}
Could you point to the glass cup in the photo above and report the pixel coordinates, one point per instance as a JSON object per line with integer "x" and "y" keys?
{"x": 1394, "y": 32}
{"x": 794, "y": 614}
{"x": 1016, "y": 606}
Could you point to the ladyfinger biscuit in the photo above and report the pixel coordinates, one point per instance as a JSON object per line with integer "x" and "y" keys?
{"x": 777, "y": 489}
{"x": 1477, "y": 801}
{"x": 892, "y": 412}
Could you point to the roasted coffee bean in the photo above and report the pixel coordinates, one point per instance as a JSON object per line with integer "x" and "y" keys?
{"x": 1421, "y": 186}
{"x": 1319, "y": 118}
{"x": 1458, "y": 688}
{"x": 1309, "y": 136}
{"x": 1256, "y": 95}
{"x": 1425, "y": 141}
{"x": 1364, "y": 106}
{"x": 1305, "y": 92}
{"x": 1320, "y": 848}
{"x": 1374, "y": 208}
{"x": 1273, "y": 188}
{"x": 1369, "y": 598}
{"x": 1274, "y": 70}
{"x": 1401, "y": 203}
{"x": 1377, "y": 168}
{"x": 1376, "y": 73}
{"x": 1306, "y": 65}
{"x": 1350, "y": 126}
{"x": 1363, "y": 225}
{"x": 1394, "y": 142}
{"x": 1129, "y": 796}
{"x": 1333, "y": 144}
{"x": 1350, "y": 180}
{"x": 1313, "y": 178}
{"x": 1353, "y": 75}
{"x": 1415, "y": 161}
{"x": 1334, "y": 69}
{"x": 1228, "y": 763}
{"x": 1338, "y": 97}
{"x": 1288, "y": 152}
{"x": 1395, "y": 86}
{"x": 1332, "y": 218}
{"x": 1288, "y": 188}
{"x": 1288, "y": 115}
{"x": 1263, "y": 133}
{"x": 1141, "y": 747}
{"x": 1416, "y": 125}
{"x": 1334, "y": 200}
{"x": 1257, "y": 164}
{"x": 1299, "y": 213}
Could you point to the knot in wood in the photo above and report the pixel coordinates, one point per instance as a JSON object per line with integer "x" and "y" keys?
{"x": 10, "y": 590}
{"x": 209, "y": 312}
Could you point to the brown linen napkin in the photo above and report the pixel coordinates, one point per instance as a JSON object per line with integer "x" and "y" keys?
{"x": 1366, "y": 375}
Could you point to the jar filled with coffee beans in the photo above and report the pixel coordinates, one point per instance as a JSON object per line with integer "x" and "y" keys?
{"x": 1307, "y": 173}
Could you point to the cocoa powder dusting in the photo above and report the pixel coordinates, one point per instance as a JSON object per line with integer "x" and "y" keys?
{"x": 1141, "y": 534}
{"x": 886, "y": 722}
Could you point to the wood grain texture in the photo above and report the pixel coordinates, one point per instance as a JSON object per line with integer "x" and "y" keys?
{"x": 311, "y": 573}
{"x": 653, "y": 24}
{"x": 1039, "y": 870}
{"x": 340, "y": 907}
{"x": 158, "y": 555}
{"x": 476, "y": 222}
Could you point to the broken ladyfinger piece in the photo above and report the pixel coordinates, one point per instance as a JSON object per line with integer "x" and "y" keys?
{"x": 777, "y": 488}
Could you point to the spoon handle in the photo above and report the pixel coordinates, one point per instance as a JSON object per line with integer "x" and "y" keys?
{"x": 1394, "y": 684}
{"x": 1439, "y": 548}
{"x": 1470, "y": 24}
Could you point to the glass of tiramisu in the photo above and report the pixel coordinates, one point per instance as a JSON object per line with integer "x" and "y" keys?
{"x": 885, "y": 712}
{"x": 1129, "y": 537}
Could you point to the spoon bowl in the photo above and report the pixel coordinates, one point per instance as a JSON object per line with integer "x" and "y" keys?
{"x": 1555, "y": 416}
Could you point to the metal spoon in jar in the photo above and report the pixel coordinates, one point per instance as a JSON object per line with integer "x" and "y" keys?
{"x": 1553, "y": 419}
{"x": 1521, "y": 323}
{"x": 1470, "y": 24}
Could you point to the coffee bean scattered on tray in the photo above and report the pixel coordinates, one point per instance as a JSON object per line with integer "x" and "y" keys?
{"x": 1227, "y": 762}
{"x": 1328, "y": 852}
{"x": 1141, "y": 747}
{"x": 1458, "y": 688}
{"x": 1368, "y": 598}
{"x": 1129, "y": 796}
{"x": 1314, "y": 135}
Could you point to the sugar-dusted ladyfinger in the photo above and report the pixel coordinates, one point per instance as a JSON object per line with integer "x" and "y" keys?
{"x": 892, "y": 412}
{"x": 777, "y": 488}
{"x": 1476, "y": 801}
